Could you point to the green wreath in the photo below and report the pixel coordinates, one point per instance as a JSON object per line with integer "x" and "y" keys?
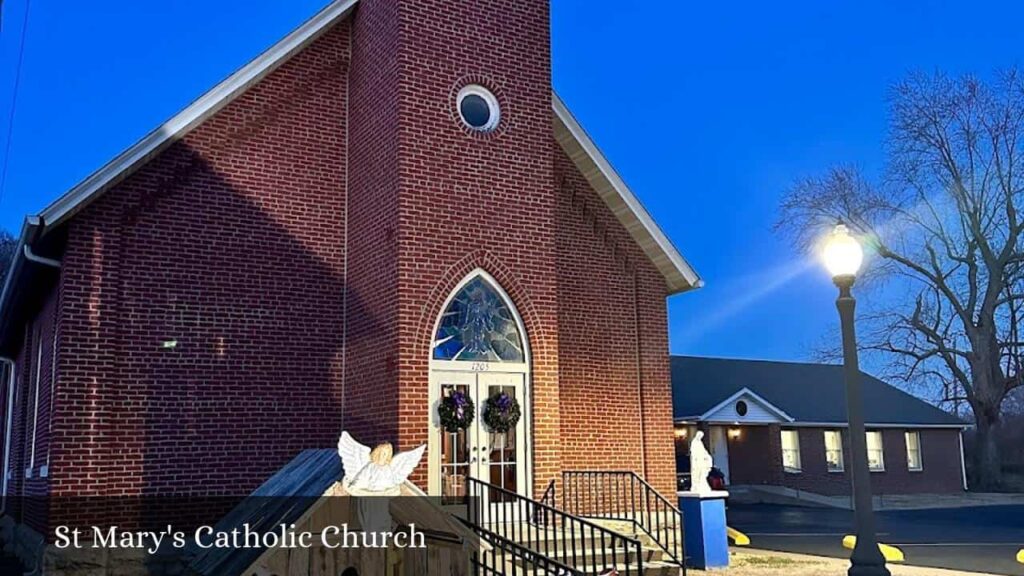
{"x": 456, "y": 411}
{"x": 502, "y": 412}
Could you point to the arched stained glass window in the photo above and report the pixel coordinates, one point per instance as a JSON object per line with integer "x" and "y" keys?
{"x": 478, "y": 326}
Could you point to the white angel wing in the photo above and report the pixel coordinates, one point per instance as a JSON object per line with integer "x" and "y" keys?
{"x": 354, "y": 456}
{"x": 403, "y": 464}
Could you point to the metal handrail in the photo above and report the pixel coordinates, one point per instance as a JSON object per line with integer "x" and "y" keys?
{"x": 624, "y": 495}
{"x": 547, "y": 499}
{"x": 584, "y": 546}
{"x": 494, "y": 561}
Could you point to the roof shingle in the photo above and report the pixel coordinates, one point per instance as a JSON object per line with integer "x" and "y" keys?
{"x": 807, "y": 392}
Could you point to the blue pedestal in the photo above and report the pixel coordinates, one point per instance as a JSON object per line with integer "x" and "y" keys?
{"x": 707, "y": 545}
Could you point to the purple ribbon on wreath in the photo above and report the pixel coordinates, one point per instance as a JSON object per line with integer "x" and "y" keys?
{"x": 504, "y": 403}
{"x": 460, "y": 400}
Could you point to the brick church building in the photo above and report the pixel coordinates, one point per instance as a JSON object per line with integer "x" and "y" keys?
{"x": 387, "y": 206}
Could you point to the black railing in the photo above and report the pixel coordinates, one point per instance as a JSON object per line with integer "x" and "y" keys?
{"x": 623, "y": 495}
{"x": 548, "y": 499}
{"x": 508, "y": 557}
{"x": 579, "y": 544}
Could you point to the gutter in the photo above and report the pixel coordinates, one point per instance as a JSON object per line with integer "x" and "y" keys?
{"x": 31, "y": 230}
{"x": 26, "y": 232}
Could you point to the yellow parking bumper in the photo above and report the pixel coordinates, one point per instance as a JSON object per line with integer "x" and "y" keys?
{"x": 890, "y": 553}
{"x": 738, "y": 538}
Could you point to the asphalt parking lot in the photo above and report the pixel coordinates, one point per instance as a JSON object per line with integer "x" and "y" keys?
{"x": 982, "y": 539}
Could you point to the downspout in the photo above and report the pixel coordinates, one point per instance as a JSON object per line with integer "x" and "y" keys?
{"x": 7, "y": 431}
{"x": 37, "y": 225}
{"x": 33, "y": 257}
{"x": 639, "y": 376}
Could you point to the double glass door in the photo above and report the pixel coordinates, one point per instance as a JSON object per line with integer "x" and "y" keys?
{"x": 498, "y": 458}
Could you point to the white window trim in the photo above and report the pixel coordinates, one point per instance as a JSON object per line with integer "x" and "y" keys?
{"x": 436, "y": 366}
{"x": 881, "y": 450}
{"x": 799, "y": 461}
{"x": 35, "y": 410}
{"x": 45, "y": 470}
{"x": 842, "y": 455}
{"x": 492, "y": 105}
{"x": 920, "y": 452}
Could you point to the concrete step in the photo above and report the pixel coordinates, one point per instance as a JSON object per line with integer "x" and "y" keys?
{"x": 589, "y": 547}
{"x": 588, "y": 556}
{"x": 624, "y": 567}
{"x": 591, "y": 552}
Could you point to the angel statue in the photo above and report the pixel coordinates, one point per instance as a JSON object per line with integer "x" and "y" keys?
{"x": 377, "y": 474}
{"x": 700, "y": 465}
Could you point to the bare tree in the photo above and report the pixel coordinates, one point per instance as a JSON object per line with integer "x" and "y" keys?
{"x": 8, "y": 244}
{"x": 944, "y": 222}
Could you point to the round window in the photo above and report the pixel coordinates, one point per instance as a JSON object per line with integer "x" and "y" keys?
{"x": 478, "y": 108}
{"x": 741, "y": 408}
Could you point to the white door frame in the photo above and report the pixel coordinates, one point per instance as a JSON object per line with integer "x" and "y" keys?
{"x": 440, "y": 366}
{"x": 719, "y": 444}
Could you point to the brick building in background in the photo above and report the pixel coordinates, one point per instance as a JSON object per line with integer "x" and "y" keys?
{"x": 388, "y": 205}
{"x": 782, "y": 425}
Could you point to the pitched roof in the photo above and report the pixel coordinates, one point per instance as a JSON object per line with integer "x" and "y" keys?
{"x": 282, "y": 499}
{"x": 292, "y": 493}
{"x": 679, "y": 275}
{"x": 809, "y": 393}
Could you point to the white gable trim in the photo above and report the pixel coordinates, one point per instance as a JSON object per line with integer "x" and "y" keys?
{"x": 205, "y": 106}
{"x": 679, "y": 275}
{"x": 623, "y": 203}
{"x": 714, "y": 413}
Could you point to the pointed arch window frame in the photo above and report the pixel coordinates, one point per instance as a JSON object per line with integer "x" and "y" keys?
{"x": 507, "y": 302}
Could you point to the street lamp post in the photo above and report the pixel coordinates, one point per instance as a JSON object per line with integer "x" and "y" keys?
{"x": 843, "y": 257}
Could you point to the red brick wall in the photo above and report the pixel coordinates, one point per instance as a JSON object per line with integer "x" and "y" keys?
{"x": 231, "y": 243}
{"x": 756, "y": 458}
{"x": 467, "y": 200}
{"x": 615, "y": 397}
{"x": 19, "y": 418}
{"x": 31, "y": 415}
{"x": 297, "y": 247}
{"x": 371, "y": 220}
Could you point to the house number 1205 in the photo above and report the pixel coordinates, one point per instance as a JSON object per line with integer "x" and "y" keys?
{"x": 480, "y": 367}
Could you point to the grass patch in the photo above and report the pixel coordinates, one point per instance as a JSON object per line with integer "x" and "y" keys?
{"x": 769, "y": 561}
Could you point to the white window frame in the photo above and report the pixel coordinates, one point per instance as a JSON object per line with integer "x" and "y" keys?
{"x": 916, "y": 435}
{"x": 880, "y": 449}
{"x": 795, "y": 435}
{"x": 838, "y": 435}
{"x": 492, "y": 105}
{"x": 44, "y": 470}
{"x": 35, "y": 409}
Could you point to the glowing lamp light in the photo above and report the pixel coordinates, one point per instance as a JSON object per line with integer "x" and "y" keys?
{"x": 680, "y": 432}
{"x": 734, "y": 433}
{"x": 843, "y": 255}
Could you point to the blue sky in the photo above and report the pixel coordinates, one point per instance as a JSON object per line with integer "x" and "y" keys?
{"x": 709, "y": 110}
